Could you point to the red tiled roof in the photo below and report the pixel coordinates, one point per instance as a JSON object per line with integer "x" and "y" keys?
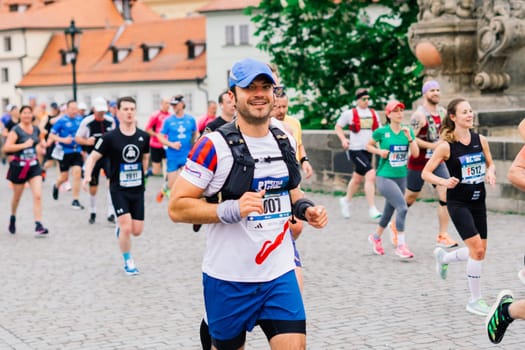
{"x": 94, "y": 64}
{"x": 87, "y": 14}
{"x": 226, "y": 5}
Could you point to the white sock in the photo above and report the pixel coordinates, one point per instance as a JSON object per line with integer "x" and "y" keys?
{"x": 460, "y": 254}
{"x": 400, "y": 239}
{"x": 93, "y": 203}
{"x": 474, "y": 276}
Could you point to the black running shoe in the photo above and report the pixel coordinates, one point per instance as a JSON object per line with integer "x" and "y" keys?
{"x": 12, "y": 226}
{"x": 92, "y": 218}
{"x": 76, "y": 205}
{"x": 111, "y": 218}
{"x": 41, "y": 231}
{"x": 55, "y": 192}
{"x": 496, "y": 322}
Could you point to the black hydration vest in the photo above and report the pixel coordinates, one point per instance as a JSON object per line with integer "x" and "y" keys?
{"x": 240, "y": 178}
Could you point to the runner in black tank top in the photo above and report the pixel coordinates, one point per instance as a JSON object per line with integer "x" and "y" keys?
{"x": 469, "y": 162}
{"x": 24, "y": 144}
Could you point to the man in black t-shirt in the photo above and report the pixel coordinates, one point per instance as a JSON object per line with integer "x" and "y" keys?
{"x": 127, "y": 149}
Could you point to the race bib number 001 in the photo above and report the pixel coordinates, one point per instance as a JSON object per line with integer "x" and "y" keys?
{"x": 277, "y": 209}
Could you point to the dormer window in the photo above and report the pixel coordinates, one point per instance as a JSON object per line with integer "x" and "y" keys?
{"x": 195, "y": 49}
{"x": 120, "y": 53}
{"x": 18, "y": 7}
{"x": 149, "y": 51}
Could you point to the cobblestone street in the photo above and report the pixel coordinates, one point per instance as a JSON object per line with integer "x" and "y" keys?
{"x": 69, "y": 291}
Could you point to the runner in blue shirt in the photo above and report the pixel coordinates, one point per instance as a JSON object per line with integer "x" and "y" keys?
{"x": 68, "y": 152}
{"x": 178, "y": 134}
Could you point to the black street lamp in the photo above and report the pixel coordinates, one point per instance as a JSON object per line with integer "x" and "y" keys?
{"x": 72, "y": 41}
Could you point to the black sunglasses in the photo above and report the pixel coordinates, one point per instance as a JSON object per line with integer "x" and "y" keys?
{"x": 279, "y": 91}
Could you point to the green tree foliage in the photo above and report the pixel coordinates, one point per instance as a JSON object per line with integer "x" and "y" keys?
{"x": 326, "y": 49}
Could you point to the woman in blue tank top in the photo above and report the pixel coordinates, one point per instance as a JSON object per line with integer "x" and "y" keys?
{"x": 469, "y": 162}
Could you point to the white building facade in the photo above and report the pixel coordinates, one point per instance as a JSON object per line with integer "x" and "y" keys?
{"x": 19, "y": 50}
{"x": 229, "y": 38}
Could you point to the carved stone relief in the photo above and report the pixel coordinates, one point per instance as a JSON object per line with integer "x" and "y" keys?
{"x": 474, "y": 39}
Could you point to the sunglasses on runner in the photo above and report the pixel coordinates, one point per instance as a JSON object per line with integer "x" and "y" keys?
{"x": 279, "y": 91}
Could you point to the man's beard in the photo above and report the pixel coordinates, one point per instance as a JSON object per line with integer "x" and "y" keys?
{"x": 433, "y": 101}
{"x": 251, "y": 118}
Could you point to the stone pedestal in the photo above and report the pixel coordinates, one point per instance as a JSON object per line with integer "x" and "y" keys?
{"x": 475, "y": 50}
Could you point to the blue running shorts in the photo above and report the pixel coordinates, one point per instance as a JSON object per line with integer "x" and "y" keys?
{"x": 233, "y": 308}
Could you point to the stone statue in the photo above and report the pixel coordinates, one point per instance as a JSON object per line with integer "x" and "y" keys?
{"x": 474, "y": 39}
{"x": 501, "y": 31}
{"x": 475, "y": 49}
{"x": 431, "y": 9}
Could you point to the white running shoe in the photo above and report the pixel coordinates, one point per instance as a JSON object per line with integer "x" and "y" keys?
{"x": 345, "y": 207}
{"x": 374, "y": 213}
{"x": 130, "y": 268}
{"x": 441, "y": 268}
{"x": 478, "y": 307}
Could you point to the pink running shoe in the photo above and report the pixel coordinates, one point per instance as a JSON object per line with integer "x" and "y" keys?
{"x": 377, "y": 245}
{"x": 403, "y": 252}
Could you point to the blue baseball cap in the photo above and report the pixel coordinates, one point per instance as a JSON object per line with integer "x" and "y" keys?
{"x": 245, "y": 71}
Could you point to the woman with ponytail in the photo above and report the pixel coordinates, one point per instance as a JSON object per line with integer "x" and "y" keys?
{"x": 469, "y": 162}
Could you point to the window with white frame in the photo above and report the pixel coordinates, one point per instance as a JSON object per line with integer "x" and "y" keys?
{"x": 230, "y": 35}
{"x": 156, "y": 99}
{"x": 18, "y": 7}
{"x": 188, "y": 101}
{"x": 7, "y": 44}
{"x": 87, "y": 101}
{"x": 5, "y": 75}
{"x": 5, "y": 102}
{"x": 244, "y": 34}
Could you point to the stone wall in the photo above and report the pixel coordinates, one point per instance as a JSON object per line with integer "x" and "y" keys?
{"x": 333, "y": 170}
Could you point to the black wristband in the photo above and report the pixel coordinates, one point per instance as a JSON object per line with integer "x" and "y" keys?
{"x": 304, "y": 159}
{"x": 300, "y": 206}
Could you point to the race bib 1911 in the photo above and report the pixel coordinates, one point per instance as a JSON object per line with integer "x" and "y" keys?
{"x": 130, "y": 175}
